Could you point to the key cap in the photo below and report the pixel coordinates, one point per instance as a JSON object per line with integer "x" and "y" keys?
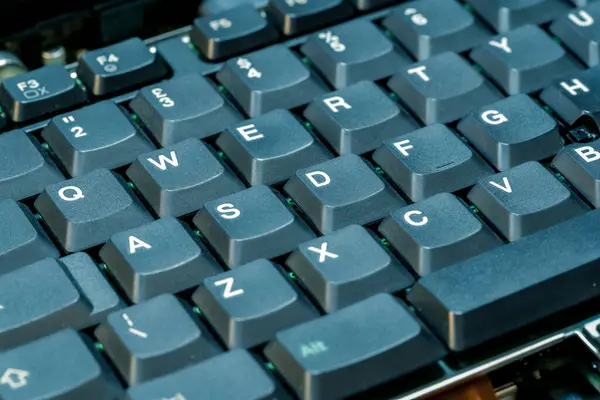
{"x": 270, "y": 148}
{"x": 506, "y": 15}
{"x": 38, "y": 93}
{"x": 23, "y": 241}
{"x": 231, "y": 32}
{"x": 97, "y": 136}
{"x": 359, "y": 118}
{"x": 179, "y": 179}
{"x": 437, "y": 232}
{"x": 508, "y": 287}
{"x": 429, "y": 27}
{"x": 143, "y": 343}
{"x": 524, "y": 200}
{"x": 524, "y": 60}
{"x": 260, "y": 85}
{"x": 160, "y": 257}
{"x": 251, "y": 224}
{"x": 118, "y": 67}
{"x": 26, "y": 169}
{"x": 342, "y": 192}
{"x": 353, "y": 349}
{"x": 430, "y": 160}
{"x": 425, "y": 87}
{"x": 512, "y": 131}
{"x": 299, "y": 16}
{"x": 179, "y": 56}
{"x": 579, "y": 31}
{"x": 577, "y": 163}
{"x": 234, "y": 375}
{"x": 352, "y": 52}
{"x": 347, "y": 266}
{"x": 183, "y": 107}
{"x": 235, "y": 304}
{"x": 62, "y": 365}
{"x": 85, "y": 211}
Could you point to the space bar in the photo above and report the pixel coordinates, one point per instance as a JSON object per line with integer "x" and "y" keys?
{"x": 514, "y": 285}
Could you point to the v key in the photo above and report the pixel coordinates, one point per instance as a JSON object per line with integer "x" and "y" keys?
{"x": 505, "y": 185}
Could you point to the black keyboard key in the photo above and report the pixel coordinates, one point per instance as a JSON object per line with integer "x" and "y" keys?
{"x": 342, "y": 192}
{"x": 235, "y": 374}
{"x": 96, "y": 136}
{"x": 85, "y": 211}
{"x": 506, "y": 15}
{"x": 580, "y": 32}
{"x": 524, "y": 200}
{"x": 352, "y": 52}
{"x": 181, "y": 58}
{"x": 357, "y": 119}
{"x": 38, "y": 93}
{"x": 231, "y": 32}
{"x": 251, "y": 224}
{"x": 179, "y": 179}
{"x": 429, "y": 27}
{"x": 154, "y": 338}
{"x": 367, "y": 5}
{"x": 578, "y": 163}
{"x": 347, "y": 266}
{"x": 512, "y": 131}
{"x": 118, "y": 67}
{"x": 23, "y": 241}
{"x": 299, "y": 16}
{"x": 26, "y": 169}
{"x": 524, "y": 60}
{"x": 270, "y": 148}
{"x": 514, "y": 285}
{"x": 268, "y": 79}
{"x": 353, "y": 349}
{"x": 159, "y": 257}
{"x": 59, "y": 366}
{"x": 437, "y": 232}
{"x": 430, "y": 160}
{"x": 235, "y": 304}
{"x": 425, "y": 87}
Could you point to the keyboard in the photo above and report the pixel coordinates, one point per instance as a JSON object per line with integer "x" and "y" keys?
{"x": 321, "y": 199}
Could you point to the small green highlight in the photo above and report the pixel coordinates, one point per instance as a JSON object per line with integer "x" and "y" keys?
{"x": 135, "y": 117}
{"x": 45, "y": 146}
{"x": 131, "y": 185}
{"x": 197, "y": 311}
{"x": 221, "y": 154}
{"x": 199, "y": 234}
{"x": 99, "y": 346}
{"x": 270, "y": 366}
{"x": 306, "y": 61}
{"x": 394, "y": 96}
{"x": 221, "y": 89}
{"x": 308, "y": 126}
{"x": 104, "y": 267}
{"x": 559, "y": 176}
{"x": 293, "y": 276}
{"x": 379, "y": 171}
{"x": 474, "y": 209}
{"x": 385, "y": 242}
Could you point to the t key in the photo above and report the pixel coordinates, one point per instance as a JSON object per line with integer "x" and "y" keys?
{"x": 579, "y": 164}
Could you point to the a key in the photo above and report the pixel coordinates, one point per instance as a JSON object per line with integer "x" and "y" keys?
{"x": 181, "y": 59}
{"x": 524, "y": 60}
{"x": 62, "y": 365}
{"x": 85, "y": 211}
{"x": 347, "y": 266}
{"x": 96, "y": 136}
{"x": 525, "y": 199}
{"x": 261, "y": 84}
{"x": 39, "y": 92}
{"x": 512, "y": 131}
{"x": 342, "y": 192}
{"x": 154, "y": 338}
{"x": 231, "y": 32}
{"x": 357, "y": 119}
{"x": 353, "y": 349}
{"x": 429, "y": 27}
{"x": 578, "y": 163}
{"x": 425, "y": 87}
{"x": 299, "y": 16}
{"x": 580, "y": 32}
{"x": 23, "y": 241}
{"x": 512, "y": 286}
{"x": 251, "y": 224}
{"x": 235, "y": 304}
{"x": 506, "y": 15}
{"x": 235, "y": 374}
{"x": 430, "y": 160}
{"x": 270, "y": 148}
{"x": 118, "y": 67}
{"x": 160, "y": 257}
{"x": 179, "y": 179}
{"x": 183, "y": 107}
{"x": 352, "y": 52}
{"x": 26, "y": 168}
{"x": 437, "y": 232}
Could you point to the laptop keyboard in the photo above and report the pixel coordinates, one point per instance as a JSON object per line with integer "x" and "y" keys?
{"x": 306, "y": 201}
